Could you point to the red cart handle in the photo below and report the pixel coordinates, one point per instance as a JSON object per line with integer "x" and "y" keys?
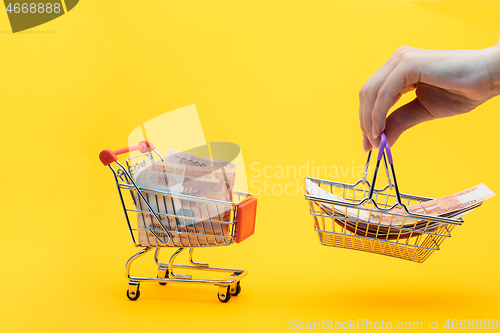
{"x": 108, "y": 156}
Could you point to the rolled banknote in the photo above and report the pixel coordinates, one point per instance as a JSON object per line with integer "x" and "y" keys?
{"x": 228, "y": 171}
{"x": 178, "y": 157}
{"x": 191, "y": 222}
{"x": 450, "y": 205}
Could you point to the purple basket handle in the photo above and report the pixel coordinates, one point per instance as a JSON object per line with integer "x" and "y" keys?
{"x": 384, "y": 145}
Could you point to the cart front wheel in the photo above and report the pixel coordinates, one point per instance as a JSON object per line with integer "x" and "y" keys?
{"x": 224, "y": 294}
{"x": 133, "y": 297}
{"x": 163, "y": 276}
{"x": 237, "y": 290}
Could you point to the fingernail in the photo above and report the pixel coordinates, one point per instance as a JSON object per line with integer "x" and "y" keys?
{"x": 367, "y": 146}
{"x": 374, "y": 131}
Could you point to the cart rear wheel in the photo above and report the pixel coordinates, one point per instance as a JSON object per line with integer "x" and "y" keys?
{"x": 133, "y": 297}
{"x": 238, "y": 289}
{"x": 224, "y": 297}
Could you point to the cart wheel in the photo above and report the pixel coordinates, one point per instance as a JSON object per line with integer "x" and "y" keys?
{"x": 238, "y": 290}
{"x": 225, "y": 296}
{"x": 166, "y": 275}
{"x": 135, "y": 297}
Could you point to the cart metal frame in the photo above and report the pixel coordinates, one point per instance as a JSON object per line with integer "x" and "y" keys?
{"x": 171, "y": 237}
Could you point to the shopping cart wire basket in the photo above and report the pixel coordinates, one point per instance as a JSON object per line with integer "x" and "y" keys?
{"x": 377, "y": 220}
{"x": 158, "y": 219}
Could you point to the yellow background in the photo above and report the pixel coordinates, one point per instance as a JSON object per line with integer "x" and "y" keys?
{"x": 279, "y": 78}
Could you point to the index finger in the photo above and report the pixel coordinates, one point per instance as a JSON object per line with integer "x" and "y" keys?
{"x": 368, "y": 96}
{"x": 398, "y": 80}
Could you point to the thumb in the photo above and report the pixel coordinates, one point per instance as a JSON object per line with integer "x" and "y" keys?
{"x": 405, "y": 117}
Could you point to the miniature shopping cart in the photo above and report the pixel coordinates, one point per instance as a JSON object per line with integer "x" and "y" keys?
{"x": 158, "y": 219}
{"x": 364, "y": 218}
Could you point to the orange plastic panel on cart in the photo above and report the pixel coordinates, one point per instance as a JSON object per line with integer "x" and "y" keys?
{"x": 245, "y": 225}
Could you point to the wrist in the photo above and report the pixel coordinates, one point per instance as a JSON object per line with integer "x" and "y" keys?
{"x": 493, "y": 65}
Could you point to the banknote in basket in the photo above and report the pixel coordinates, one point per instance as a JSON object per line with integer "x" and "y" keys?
{"x": 396, "y": 223}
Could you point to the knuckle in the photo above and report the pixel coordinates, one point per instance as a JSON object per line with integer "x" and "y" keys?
{"x": 369, "y": 92}
{"x": 406, "y": 57}
{"x": 403, "y": 50}
{"x": 367, "y": 89}
{"x": 382, "y": 93}
{"x": 405, "y": 54}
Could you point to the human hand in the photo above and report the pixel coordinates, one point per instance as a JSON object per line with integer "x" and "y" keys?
{"x": 447, "y": 83}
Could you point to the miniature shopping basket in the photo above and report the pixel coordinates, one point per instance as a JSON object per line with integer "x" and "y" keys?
{"x": 154, "y": 221}
{"x": 374, "y": 220}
